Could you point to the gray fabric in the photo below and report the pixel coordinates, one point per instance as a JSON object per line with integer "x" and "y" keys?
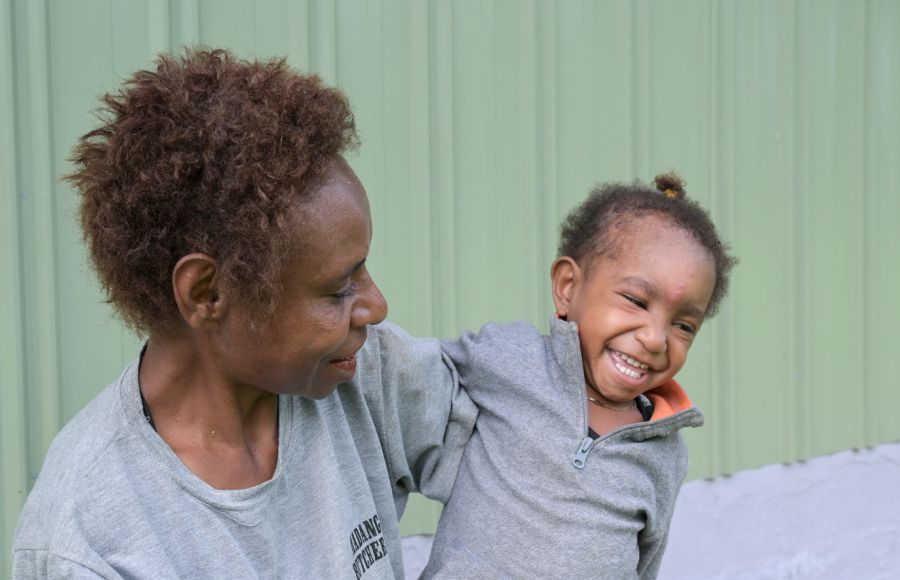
{"x": 520, "y": 507}
{"x": 113, "y": 500}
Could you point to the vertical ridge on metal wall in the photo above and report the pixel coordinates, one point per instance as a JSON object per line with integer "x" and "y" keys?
{"x": 39, "y": 218}
{"x": 882, "y": 243}
{"x": 719, "y": 378}
{"x": 323, "y": 49}
{"x": 441, "y": 165}
{"x": 474, "y": 157}
{"x": 546, "y": 152}
{"x": 407, "y": 254}
{"x": 641, "y": 85}
{"x": 159, "y": 26}
{"x": 295, "y": 33}
{"x": 834, "y": 228}
{"x": 185, "y": 23}
{"x": 13, "y": 449}
{"x": 800, "y": 275}
{"x": 870, "y": 235}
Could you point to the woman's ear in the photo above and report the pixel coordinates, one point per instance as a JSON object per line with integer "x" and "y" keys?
{"x": 565, "y": 276}
{"x": 195, "y": 283}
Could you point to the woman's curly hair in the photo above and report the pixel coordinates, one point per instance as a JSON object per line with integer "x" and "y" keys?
{"x": 589, "y": 231}
{"x": 207, "y": 153}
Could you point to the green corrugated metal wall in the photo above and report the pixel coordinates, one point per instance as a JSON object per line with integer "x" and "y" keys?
{"x": 483, "y": 122}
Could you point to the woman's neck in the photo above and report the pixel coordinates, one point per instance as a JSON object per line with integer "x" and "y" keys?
{"x": 226, "y": 433}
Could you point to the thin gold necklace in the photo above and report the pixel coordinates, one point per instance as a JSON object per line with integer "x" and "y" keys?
{"x": 627, "y": 406}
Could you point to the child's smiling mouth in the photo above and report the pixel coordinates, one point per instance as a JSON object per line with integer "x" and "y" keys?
{"x": 631, "y": 368}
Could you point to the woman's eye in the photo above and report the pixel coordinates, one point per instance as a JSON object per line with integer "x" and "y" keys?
{"x": 636, "y": 301}
{"x": 344, "y": 294}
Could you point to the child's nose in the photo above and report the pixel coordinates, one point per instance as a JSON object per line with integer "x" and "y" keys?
{"x": 653, "y": 336}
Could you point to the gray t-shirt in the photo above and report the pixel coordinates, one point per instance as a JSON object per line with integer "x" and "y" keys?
{"x": 114, "y": 501}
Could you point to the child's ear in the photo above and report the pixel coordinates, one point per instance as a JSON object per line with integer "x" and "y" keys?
{"x": 564, "y": 278}
{"x": 195, "y": 283}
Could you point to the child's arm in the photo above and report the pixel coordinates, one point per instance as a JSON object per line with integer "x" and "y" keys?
{"x": 422, "y": 416}
{"x": 492, "y": 355}
{"x": 653, "y": 538}
{"x": 651, "y": 550}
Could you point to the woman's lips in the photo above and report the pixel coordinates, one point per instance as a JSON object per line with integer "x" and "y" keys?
{"x": 347, "y": 364}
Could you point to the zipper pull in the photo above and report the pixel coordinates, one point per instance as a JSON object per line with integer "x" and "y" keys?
{"x": 581, "y": 454}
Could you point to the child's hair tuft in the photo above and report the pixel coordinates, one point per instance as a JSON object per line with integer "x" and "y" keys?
{"x": 670, "y": 184}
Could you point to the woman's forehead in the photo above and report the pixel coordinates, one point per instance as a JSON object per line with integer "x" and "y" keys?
{"x": 333, "y": 227}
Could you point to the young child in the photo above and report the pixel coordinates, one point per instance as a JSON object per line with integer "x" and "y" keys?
{"x": 576, "y": 460}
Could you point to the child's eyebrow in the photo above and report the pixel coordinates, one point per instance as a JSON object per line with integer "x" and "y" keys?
{"x": 644, "y": 285}
{"x": 694, "y": 311}
{"x": 652, "y": 291}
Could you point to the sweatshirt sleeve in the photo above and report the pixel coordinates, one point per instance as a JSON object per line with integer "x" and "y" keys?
{"x": 488, "y": 362}
{"x": 423, "y": 418}
{"x": 462, "y": 353}
{"x": 654, "y": 537}
{"x": 651, "y": 554}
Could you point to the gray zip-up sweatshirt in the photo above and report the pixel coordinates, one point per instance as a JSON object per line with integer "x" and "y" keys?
{"x": 535, "y": 496}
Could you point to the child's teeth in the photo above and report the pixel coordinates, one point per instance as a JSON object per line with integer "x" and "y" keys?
{"x": 633, "y": 362}
{"x": 626, "y": 371}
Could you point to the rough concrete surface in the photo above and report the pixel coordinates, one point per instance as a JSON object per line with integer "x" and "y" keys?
{"x": 830, "y": 518}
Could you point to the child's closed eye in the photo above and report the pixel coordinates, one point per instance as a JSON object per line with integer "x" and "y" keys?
{"x": 636, "y": 301}
{"x": 686, "y": 327}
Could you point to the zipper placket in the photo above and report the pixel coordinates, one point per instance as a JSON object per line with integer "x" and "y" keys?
{"x": 581, "y": 453}
{"x": 580, "y": 457}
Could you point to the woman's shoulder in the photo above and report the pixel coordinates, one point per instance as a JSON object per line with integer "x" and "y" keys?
{"x": 99, "y": 423}
{"x": 72, "y": 471}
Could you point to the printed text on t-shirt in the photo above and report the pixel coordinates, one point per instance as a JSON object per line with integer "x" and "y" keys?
{"x": 367, "y": 544}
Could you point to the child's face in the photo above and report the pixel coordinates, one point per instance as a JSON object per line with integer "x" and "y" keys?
{"x": 640, "y": 309}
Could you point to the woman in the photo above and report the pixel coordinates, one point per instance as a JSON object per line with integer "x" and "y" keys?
{"x": 225, "y": 225}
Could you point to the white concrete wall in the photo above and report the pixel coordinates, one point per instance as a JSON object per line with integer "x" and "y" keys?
{"x": 835, "y": 517}
{"x": 829, "y": 518}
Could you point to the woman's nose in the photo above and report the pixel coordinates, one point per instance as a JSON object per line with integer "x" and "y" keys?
{"x": 370, "y": 307}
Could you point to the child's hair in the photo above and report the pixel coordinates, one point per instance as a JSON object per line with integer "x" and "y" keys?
{"x": 206, "y": 153}
{"x": 589, "y": 230}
